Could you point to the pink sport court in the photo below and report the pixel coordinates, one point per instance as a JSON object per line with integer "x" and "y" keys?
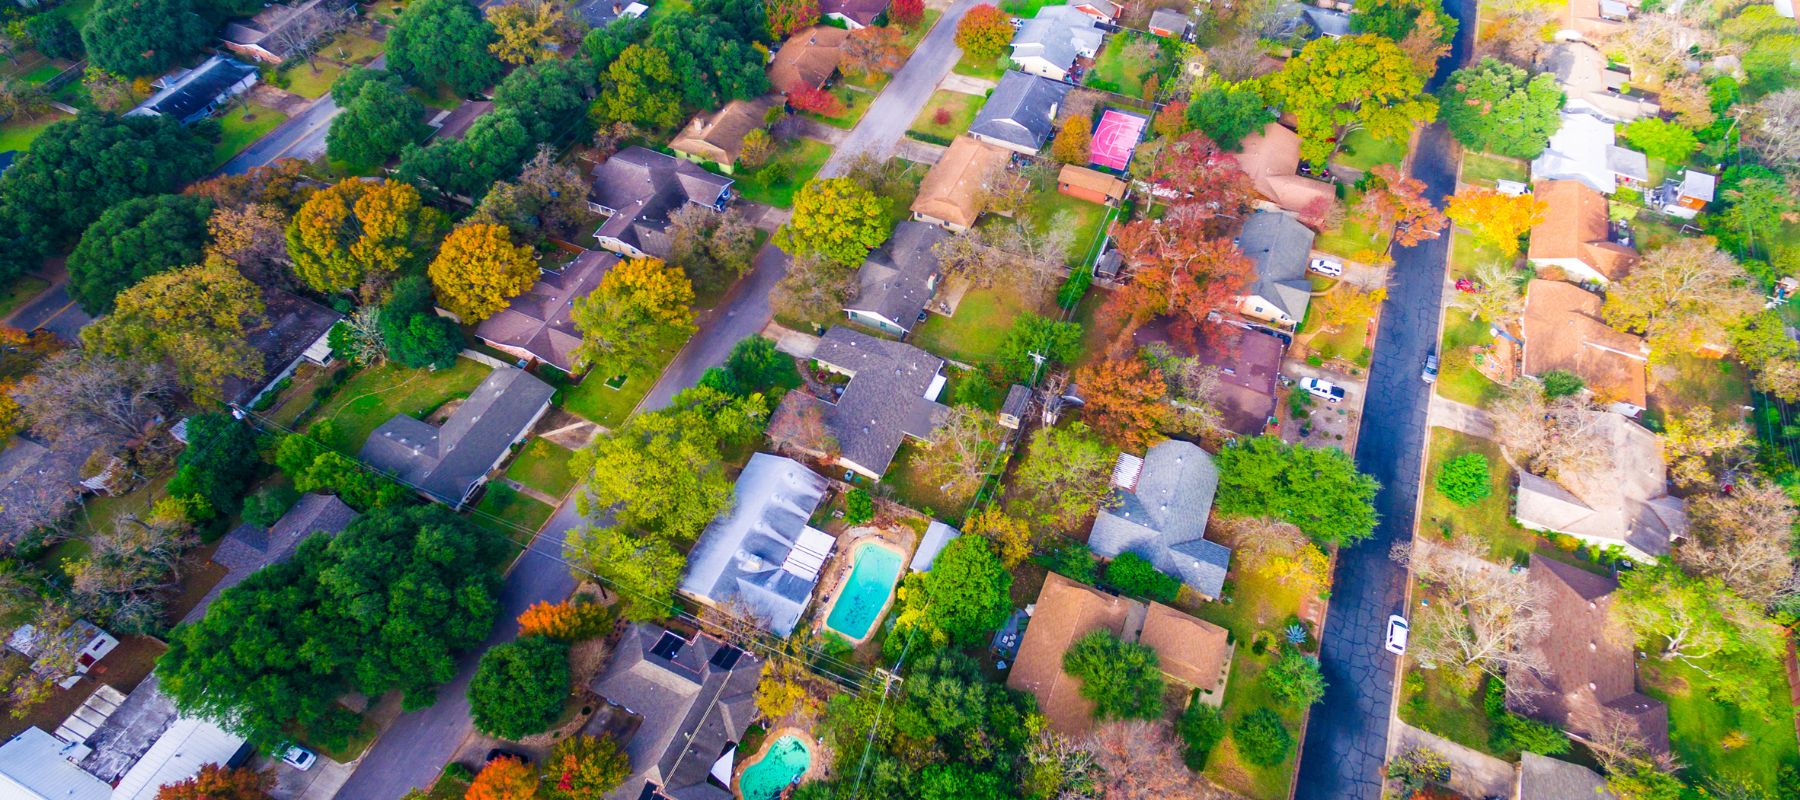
{"x": 1116, "y": 136}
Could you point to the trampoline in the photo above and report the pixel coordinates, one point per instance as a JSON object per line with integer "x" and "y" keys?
{"x": 1115, "y": 137}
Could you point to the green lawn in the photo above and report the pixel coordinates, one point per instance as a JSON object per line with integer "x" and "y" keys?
{"x": 1083, "y": 217}
{"x": 601, "y": 404}
{"x": 310, "y": 83}
{"x": 1362, "y": 151}
{"x": 1114, "y": 71}
{"x": 959, "y": 110}
{"x": 663, "y": 8}
{"x": 974, "y": 335}
{"x": 1483, "y": 169}
{"x": 977, "y": 68}
{"x": 544, "y": 466}
{"x": 1024, "y": 9}
{"x": 1354, "y": 239}
{"x": 1436, "y": 701}
{"x": 374, "y": 395}
{"x": 910, "y": 39}
{"x": 799, "y": 161}
{"x": 19, "y": 134}
{"x": 43, "y": 73}
{"x": 241, "y": 127}
{"x": 914, "y": 491}
{"x": 21, "y": 290}
{"x": 1458, "y": 379}
{"x": 1699, "y": 723}
{"x": 1491, "y": 517}
{"x": 506, "y": 510}
{"x": 1681, "y": 380}
{"x": 351, "y": 48}
{"x": 856, "y": 103}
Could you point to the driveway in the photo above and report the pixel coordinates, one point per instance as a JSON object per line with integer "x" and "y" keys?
{"x": 893, "y": 112}
{"x": 412, "y": 751}
{"x": 1346, "y": 740}
{"x": 741, "y": 314}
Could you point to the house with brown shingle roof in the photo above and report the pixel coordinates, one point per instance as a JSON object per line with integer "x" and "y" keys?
{"x": 808, "y": 59}
{"x": 718, "y": 138}
{"x": 951, "y": 194}
{"x": 1191, "y": 651}
{"x": 1590, "y": 674}
{"x": 1624, "y": 503}
{"x": 1563, "y": 331}
{"x": 1575, "y": 235}
{"x": 1272, "y": 160}
{"x": 537, "y": 326}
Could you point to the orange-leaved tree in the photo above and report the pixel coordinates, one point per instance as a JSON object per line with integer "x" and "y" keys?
{"x": 565, "y": 620}
{"x": 1496, "y": 218}
{"x": 478, "y": 269}
{"x": 504, "y": 779}
{"x": 220, "y": 783}
{"x": 1072, "y": 141}
{"x": 984, "y": 32}
{"x": 1125, "y": 400}
{"x": 1395, "y": 200}
{"x": 1175, "y": 270}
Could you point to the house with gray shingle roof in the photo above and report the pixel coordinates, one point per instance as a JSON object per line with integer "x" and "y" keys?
{"x": 537, "y": 325}
{"x": 892, "y": 394}
{"x": 898, "y": 279}
{"x": 449, "y": 463}
{"x": 1546, "y": 778}
{"x": 1158, "y": 510}
{"x": 1049, "y": 43}
{"x": 639, "y": 190}
{"x": 1020, "y": 114}
{"x": 251, "y": 547}
{"x": 762, "y": 554}
{"x": 1279, "y": 246}
{"x": 695, "y": 697}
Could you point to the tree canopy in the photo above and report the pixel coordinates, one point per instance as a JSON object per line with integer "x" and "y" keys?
{"x": 1317, "y": 490}
{"x": 1500, "y": 108}
{"x": 478, "y": 270}
{"x": 964, "y": 598}
{"x": 379, "y": 119}
{"x": 652, "y": 73}
{"x": 411, "y": 331}
{"x": 1228, "y": 112}
{"x": 132, "y": 241}
{"x": 492, "y": 150}
{"x": 519, "y": 687}
{"x": 443, "y": 41}
{"x": 194, "y": 318}
{"x": 361, "y": 232}
{"x": 1335, "y": 85}
{"x": 1122, "y": 679}
{"x": 837, "y": 219}
{"x": 641, "y": 305}
{"x": 138, "y": 38}
{"x": 215, "y": 466}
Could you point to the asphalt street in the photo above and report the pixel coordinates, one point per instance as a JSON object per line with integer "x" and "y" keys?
{"x": 302, "y": 136}
{"x": 893, "y": 111}
{"x": 1346, "y": 740}
{"x": 743, "y": 312}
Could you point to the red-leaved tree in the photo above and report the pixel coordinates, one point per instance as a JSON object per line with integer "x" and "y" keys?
{"x": 1396, "y": 200}
{"x": 906, "y": 13}
{"x": 817, "y": 101}
{"x": 984, "y": 32}
{"x": 1173, "y": 268}
{"x": 1196, "y": 173}
{"x": 1124, "y": 400}
{"x": 788, "y": 17}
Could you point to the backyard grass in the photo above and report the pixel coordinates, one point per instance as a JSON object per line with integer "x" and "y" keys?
{"x": 1489, "y": 518}
{"x": 978, "y": 68}
{"x": 1699, "y": 723}
{"x": 19, "y": 134}
{"x": 1113, "y": 71}
{"x": 1432, "y": 701}
{"x": 375, "y": 395}
{"x": 1457, "y": 378}
{"x": 1024, "y": 9}
{"x": 961, "y": 109}
{"x": 915, "y": 491}
{"x": 43, "y": 73}
{"x": 508, "y": 511}
{"x": 1079, "y": 216}
{"x": 21, "y": 291}
{"x": 241, "y": 127}
{"x": 597, "y": 402}
{"x": 1258, "y": 605}
{"x": 856, "y": 103}
{"x": 1483, "y": 169}
{"x": 974, "y": 335}
{"x": 1361, "y": 151}
{"x": 799, "y": 160}
{"x": 543, "y": 465}
{"x": 1682, "y": 381}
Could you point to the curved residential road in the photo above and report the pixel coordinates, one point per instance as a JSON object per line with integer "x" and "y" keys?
{"x": 894, "y": 110}
{"x": 1346, "y": 739}
{"x": 302, "y": 136}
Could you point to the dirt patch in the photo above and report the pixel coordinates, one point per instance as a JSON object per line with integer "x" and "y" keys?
{"x": 443, "y": 412}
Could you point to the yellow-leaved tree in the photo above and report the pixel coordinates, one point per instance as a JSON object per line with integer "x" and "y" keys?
{"x": 525, "y": 31}
{"x": 478, "y": 269}
{"x": 641, "y": 306}
{"x": 1496, "y": 219}
{"x": 195, "y": 318}
{"x": 358, "y": 234}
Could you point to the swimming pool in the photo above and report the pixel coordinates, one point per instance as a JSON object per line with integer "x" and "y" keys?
{"x": 866, "y": 593}
{"x": 786, "y": 760}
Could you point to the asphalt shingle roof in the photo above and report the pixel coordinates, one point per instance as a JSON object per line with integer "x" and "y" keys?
{"x": 886, "y": 399}
{"x": 1021, "y": 110}
{"x": 1163, "y": 517}
{"x": 447, "y": 463}
{"x": 1280, "y": 246}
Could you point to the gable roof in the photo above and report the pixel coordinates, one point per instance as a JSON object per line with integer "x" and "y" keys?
{"x": 261, "y": 30}
{"x": 33, "y": 767}
{"x": 719, "y": 136}
{"x": 289, "y": 324}
{"x": 1169, "y": 19}
{"x": 1581, "y": 70}
{"x": 952, "y": 189}
{"x": 1249, "y": 363}
{"x": 807, "y": 59}
{"x": 864, "y": 12}
{"x": 456, "y": 122}
{"x": 1563, "y": 331}
{"x": 539, "y": 322}
{"x": 449, "y": 462}
{"x": 762, "y": 552}
{"x": 891, "y": 395}
{"x": 696, "y": 698}
{"x": 937, "y": 537}
{"x": 1058, "y": 34}
{"x": 896, "y": 280}
{"x": 1272, "y": 160}
{"x": 1279, "y": 245}
{"x": 1546, "y": 778}
{"x": 1583, "y": 149}
{"x": 1092, "y": 180}
{"x": 1021, "y": 110}
{"x": 196, "y": 89}
{"x": 1591, "y": 670}
{"x": 1161, "y": 515}
{"x": 1064, "y": 612}
{"x": 1192, "y": 651}
{"x": 1627, "y": 501}
{"x": 33, "y": 473}
{"x": 250, "y": 547}
{"x": 643, "y": 188}
{"x": 1576, "y": 227}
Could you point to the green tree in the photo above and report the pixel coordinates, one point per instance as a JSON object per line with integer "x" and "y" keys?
{"x": 1464, "y": 480}
{"x": 142, "y": 37}
{"x": 1134, "y": 575}
{"x": 683, "y": 61}
{"x": 493, "y": 149}
{"x": 1261, "y": 738}
{"x": 1336, "y": 85}
{"x": 1294, "y": 678}
{"x": 859, "y": 507}
{"x": 548, "y": 97}
{"x": 754, "y": 366}
{"x": 1662, "y": 140}
{"x": 415, "y": 336}
{"x": 1561, "y": 383}
{"x": 640, "y": 307}
{"x": 1501, "y": 108}
{"x": 379, "y": 119}
{"x": 194, "y": 318}
{"x": 643, "y": 568}
{"x": 443, "y": 42}
{"x": 963, "y": 599}
{"x": 747, "y": 18}
{"x": 216, "y": 466}
{"x": 132, "y": 241}
{"x": 1228, "y": 112}
{"x": 636, "y": 87}
{"x": 54, "y": 36}
{"x": 662, "y": 472}
{"x": 837, "y": 219}
{"x": 1201, "y": 729}
{"x": 1064, "y": 475}
{"x": 1318, "y": 490}
{"x": 1122, "y": 679}
{"x": 1394, "y": 19}
{"x": 582, "y": 767}
{"x": 519, "y": 687}
{"x": 1696, "y": 620}
{"x": 1058, "y": 342}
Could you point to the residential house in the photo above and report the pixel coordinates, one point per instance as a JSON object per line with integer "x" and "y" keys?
{"x": 62, "y": 656}
{"x": 281, "y": 31}
{"x": 1622, "y": 502}
{"x": 1169, "y": 23}
{"x": 694, "y": 698}
{"x": 951, "y": 195}
{"x": 1249, "y": 365}
{"x": 1048, "y": 45}
{"x": 449, "y": 463}
{"x": 808, "y": 59}
{"x": 1158, "y": 510}
{"x": 1105, "y": 11}
{"x": 601, "y": 13}
{"x": 193, "y": 95}
{"x": 38, "y": 480}
{"x": 1020, "y": 114}
{"x": 454, "y": 123}
{"x": 1589, "y": 677}
{"x": 1583, "y": 150}
{"x": 1594, "y": 20}
{"x": 34, "y": 766}
{"x": 1546, "y": 778}
{"x": 937, "y": 537}
{"x": 718, "y": 138}
{"x": 250, "y": 547}
{"x": 1575, "y": 235}
{"x": 1015, "y": 407}
{"x": 1687, "y": 197}
{"x": 639, "y": 190}
{"x": 762, "y": 554}
{"x": 1563, "y": 331}
{"x": 1190, "y": 651}
{"x": 1272, "y": 160}
{"x": 855, "y": 14}
{"x": 892, "y": 394}
{"x": 898, "y": 279}
{"x": 537, "y": 327}
{"x": 1592, "y": 86}
{"x": 1091, "y": 185}
{"x": 1279, "y": 246}
{"x": 1326, "y": 22}
{"x": 292, "y": 330}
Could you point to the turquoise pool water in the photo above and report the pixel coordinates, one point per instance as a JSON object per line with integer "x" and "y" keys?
{"x": 786, "y": 761}
{"x": 871, "y": 581}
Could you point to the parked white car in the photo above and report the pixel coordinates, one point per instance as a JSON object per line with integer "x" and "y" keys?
{"x": 1322, "y": 389}
{"x": 299, "y": 758}
{"x": 1326, "y": 266}
{"x": 1396, "y": 635}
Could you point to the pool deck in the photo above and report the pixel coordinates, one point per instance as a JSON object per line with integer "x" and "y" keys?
{"x": 815, "y": 765}
{"x": 847, "y": 565}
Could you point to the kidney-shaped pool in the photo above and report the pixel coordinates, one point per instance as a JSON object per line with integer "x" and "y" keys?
{"x": 785, "y": 761}
{"x": 874, "y": 568}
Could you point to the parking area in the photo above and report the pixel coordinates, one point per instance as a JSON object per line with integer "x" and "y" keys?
{"x": 1313, "y": 420}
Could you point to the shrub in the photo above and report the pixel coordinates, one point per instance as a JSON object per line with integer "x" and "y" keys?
{"x": 1295, "y": 678}
{"x": 1201, "y": 728}
{"x": 1122, "y": 678}
{"x": 859, "y": 507}
{"x": 266, "y": 507}
{"x": 1073, "y": 561}
{"x": 1134, "y": 575}
{"x": 1074, "y": 287}
{"x": 941, "y": 116}
{"x": 519, "y": 687}
{"x": 1464, "y": 480}
{"x": 1561, "y": 383}
{"x": 1261, "y": 738}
